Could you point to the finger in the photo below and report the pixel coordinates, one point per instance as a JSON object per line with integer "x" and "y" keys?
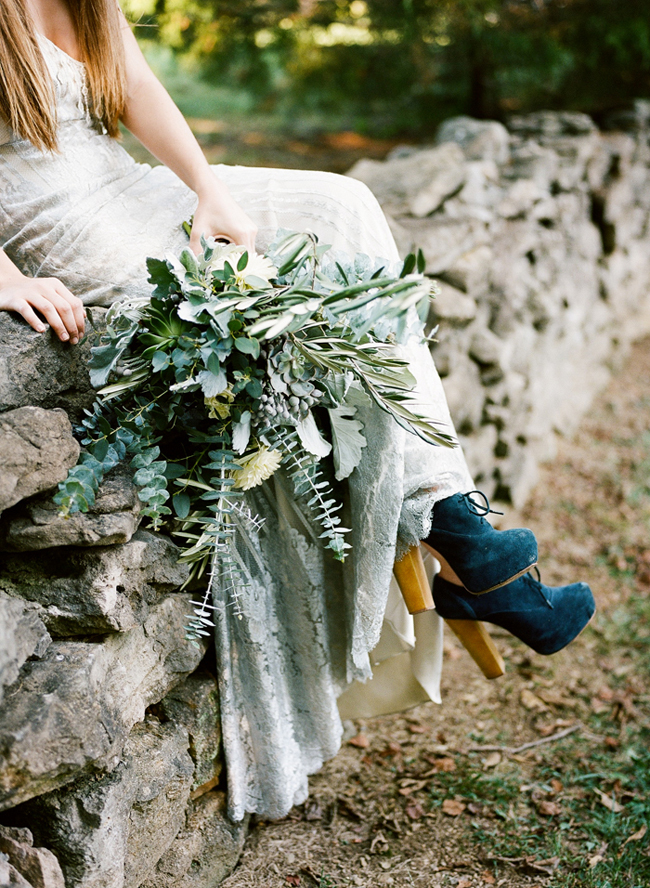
{"x": 247, "y": 238}
{"x": 51, "y": 315}
{"x": 75, "y": 303}
{"x": 64, "y": 310}
{"x": 195, "y": 241}
{"x": 26, "y": 311}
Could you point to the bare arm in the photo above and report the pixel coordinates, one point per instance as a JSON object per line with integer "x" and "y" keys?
{"x": 156, "y": 122}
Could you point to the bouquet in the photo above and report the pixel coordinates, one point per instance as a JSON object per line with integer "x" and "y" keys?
{"x": 241, "y": 365}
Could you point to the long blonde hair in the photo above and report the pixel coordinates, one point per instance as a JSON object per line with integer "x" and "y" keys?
{"x": 26, "y": 92}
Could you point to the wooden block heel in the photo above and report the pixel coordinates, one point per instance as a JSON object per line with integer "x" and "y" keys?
{"x": 479, "y": 645}
{"x": 413, "y": 583}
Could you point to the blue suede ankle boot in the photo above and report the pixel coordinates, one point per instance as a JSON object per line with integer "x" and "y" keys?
{"x": 482, "y": 558}
{"x": 546, "y": 618}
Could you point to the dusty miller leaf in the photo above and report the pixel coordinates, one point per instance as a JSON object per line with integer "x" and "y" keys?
{"x": 311, "y": 438}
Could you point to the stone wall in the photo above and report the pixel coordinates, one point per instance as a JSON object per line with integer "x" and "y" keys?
{"x": 110, "y": 748}
{"x": 540, "y": 238}
{"x": 110, "y": 759}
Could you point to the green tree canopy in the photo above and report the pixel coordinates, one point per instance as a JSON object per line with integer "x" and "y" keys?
{"x": 404, "y": 65}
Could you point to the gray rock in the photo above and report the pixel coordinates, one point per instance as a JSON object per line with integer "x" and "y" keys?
{"x": 452, "y": 307}
{"x": 444, "y": 240}
{"x": 520, "y": 199}
{"x": 465, "y": 396}
{"x": 552, "y": 124}
{"x": 481, "y": 189}
{"x": 479, "y": 453}
{"x": 487, "y": 349}
{"x": 72, "y": 711}
{"x": 36, "y": 524}
{"x": 575, "y": 155}
{"x": 529, "y": 160}
{"x": 194, "y": 704}
{"x": 205, "y": 851}
{"x": 479, "y": 139}
{"x": 36, "y": 451}
{"x": 104, "y": 589}
{"x": 10, "y": 877}
{"x": 110, "y": 833}
{"x": 38, "y": 865}
{"x": 471, "y": 271}
{"x": 38, "y": 369}
{"x": 22, "y": 635}
{"x": 414, "y": 185}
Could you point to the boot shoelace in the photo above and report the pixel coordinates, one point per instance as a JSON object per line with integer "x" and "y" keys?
{"x": 480, "y": 509}
{"x": 537, "y": 584}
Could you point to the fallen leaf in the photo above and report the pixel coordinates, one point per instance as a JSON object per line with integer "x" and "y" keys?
{"x": 293, "y": 880}
{"x": 446, "y": 765}
{"x": 556, "y": 785}
{"x": 492, "y": 760}
{"x": 348, "y": 809}
{"x": 612, "y": 742}
{"x": 637, "y": 836}
{"x": 414, "y": 810}
{"x": 488, "y": 878}
{"x": 475, "y": 808}
{"x": 360, "y": 740}
{"x": 453, "y": 807}
{"x": 418, "y": 728}
{"x": 556, "y": 698}
{"x": 547, "y": 866}
{"x": 599, "y": 856}
{"x": 598, "y": 706}
{"x": 548, "y": 809}
{"x": 313, "y": 810}
{"x": 532, "y": 701}
{"x": 416, "y": 786}
{"x": 392, "y": 748}
{"x": 378, "y": 840}
{"x": 464, "y": 883}
{"x": 608, "y": 802}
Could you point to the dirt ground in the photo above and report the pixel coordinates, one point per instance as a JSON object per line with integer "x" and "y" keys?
{"x": 408, "y": 802}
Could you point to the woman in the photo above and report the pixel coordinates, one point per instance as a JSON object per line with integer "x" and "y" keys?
{"x": 78, "y": 217}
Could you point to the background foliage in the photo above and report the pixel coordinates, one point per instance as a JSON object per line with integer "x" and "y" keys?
{"x": 389, "y": 67}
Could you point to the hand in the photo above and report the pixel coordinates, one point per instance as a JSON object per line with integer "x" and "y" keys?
{"x": 62, "y": 311}
{"x": 219, "y": 215}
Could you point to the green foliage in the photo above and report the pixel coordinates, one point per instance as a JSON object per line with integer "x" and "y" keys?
{"x": 240, "y": 363}
{"x": 388, "y": 66}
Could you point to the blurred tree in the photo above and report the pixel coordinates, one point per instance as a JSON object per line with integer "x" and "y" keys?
{"x": 390, "y": 66}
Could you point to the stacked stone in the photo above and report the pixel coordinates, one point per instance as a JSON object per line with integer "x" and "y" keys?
{"x": 540, "y": 237}
{"x": 110, "y": 748}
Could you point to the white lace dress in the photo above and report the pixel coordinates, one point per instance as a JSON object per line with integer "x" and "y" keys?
{"x": 90, "y": 216}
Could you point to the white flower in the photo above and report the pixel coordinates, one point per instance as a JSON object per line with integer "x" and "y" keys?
{"x": 258, "y": 268}
{"x": 257, "y": 467}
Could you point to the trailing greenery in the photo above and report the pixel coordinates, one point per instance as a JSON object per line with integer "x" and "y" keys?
{"x": 239, "y": 364}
